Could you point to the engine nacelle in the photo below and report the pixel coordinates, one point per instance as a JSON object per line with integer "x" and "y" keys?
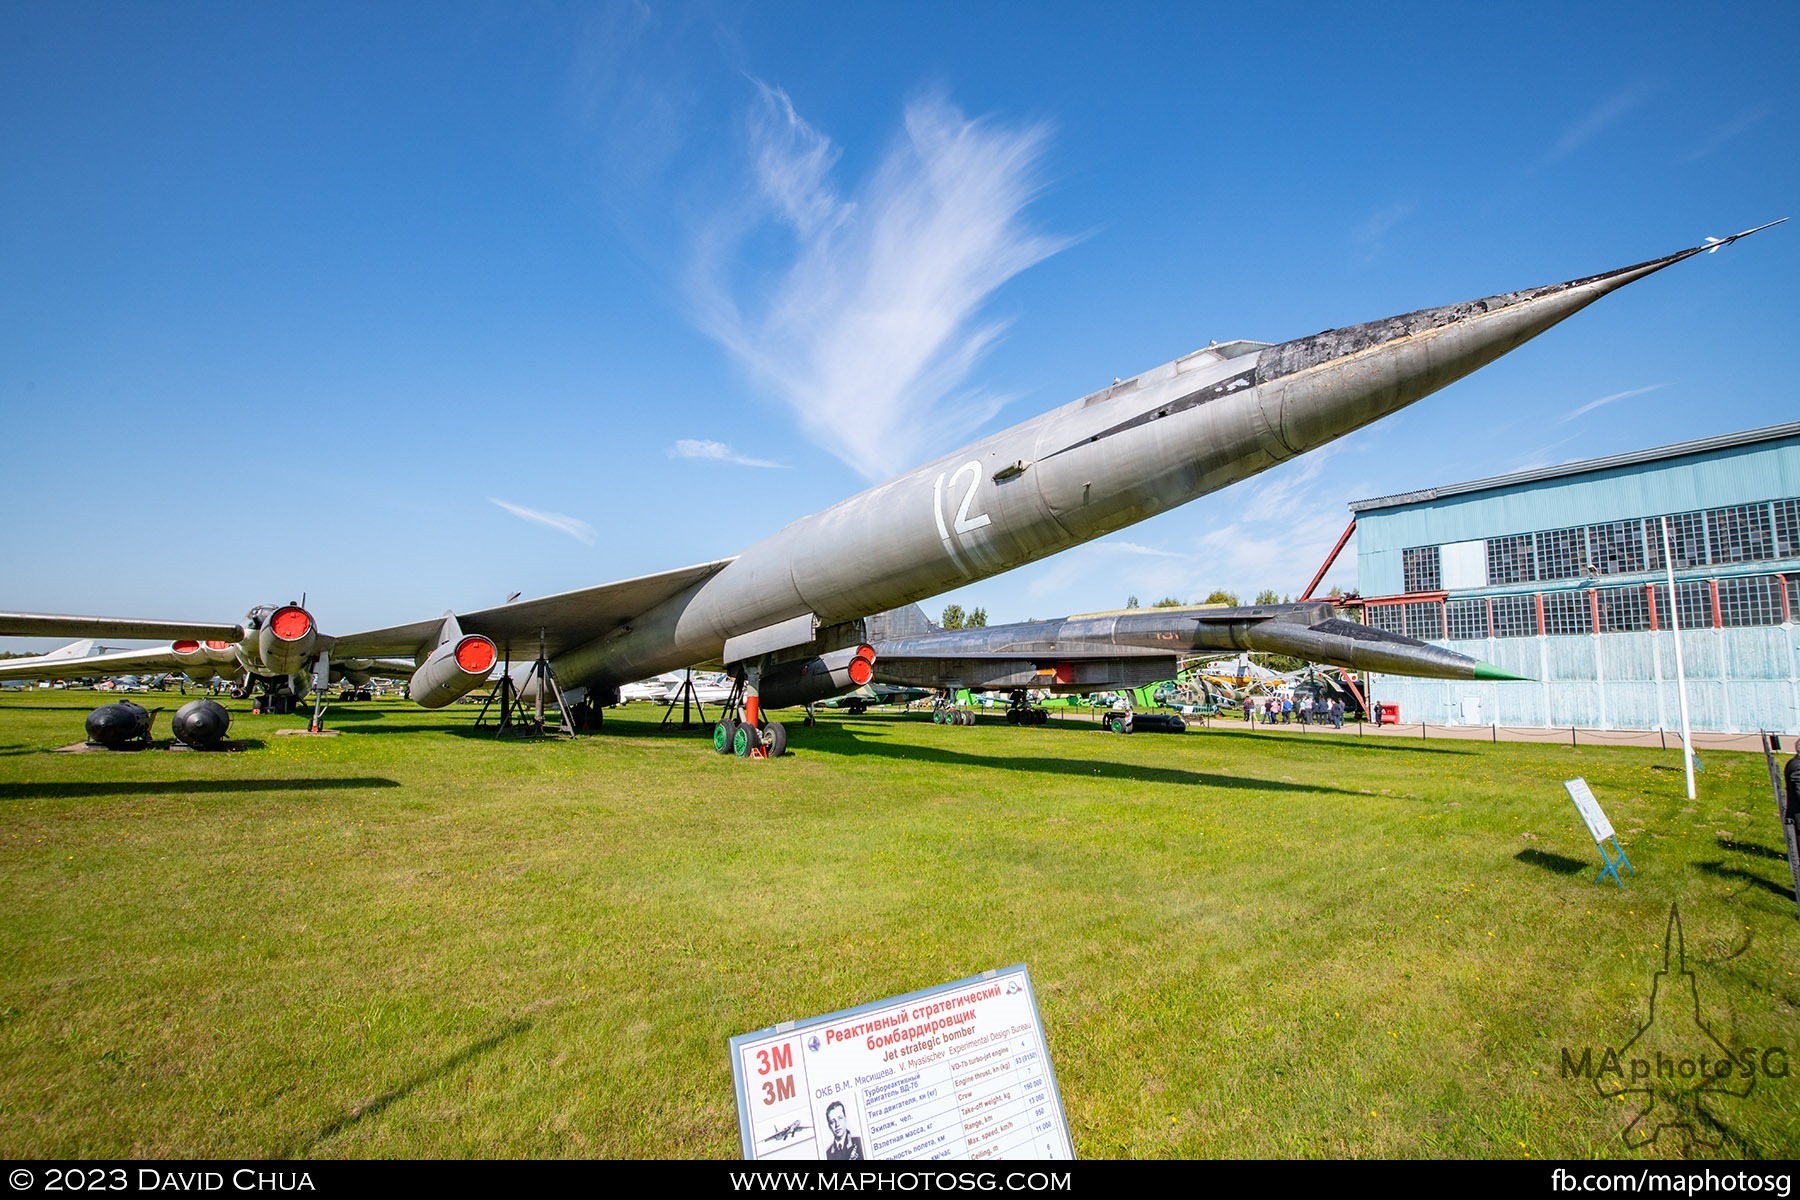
{"x": 220, "y": 654}
{"x": 454, "y": 669}
{"x": 201, "y": 724}
{"x": 195, "y": 663}
{"x": 285, "y": 641}
{"x": 810, "y": 680}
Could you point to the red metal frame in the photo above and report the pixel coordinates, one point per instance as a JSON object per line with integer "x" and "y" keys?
{"x": 1329, "y": 559}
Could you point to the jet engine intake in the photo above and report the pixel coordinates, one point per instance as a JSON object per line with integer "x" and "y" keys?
{"x": 454, "y": 669}
{"x": 286, "y": 640}
{"x": 819, "y": 678}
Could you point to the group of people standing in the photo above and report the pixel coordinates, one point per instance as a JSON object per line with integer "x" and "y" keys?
{"x": 1282, "y": 710}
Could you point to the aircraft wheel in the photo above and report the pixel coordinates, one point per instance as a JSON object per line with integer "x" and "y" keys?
{"x": 1119, "y": 725}
{"x": 775, "y": 739}
{"x": 744, "y": 739}
{"x": 968, "y": 718}
{"x": 723, "y": 734}
{"x": 1042, "y": 716}
{"x": 1012, "y": 716}
{"x": 809, "y": 721}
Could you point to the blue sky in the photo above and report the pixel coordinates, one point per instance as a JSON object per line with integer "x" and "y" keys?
{"x": 411, "y": 306}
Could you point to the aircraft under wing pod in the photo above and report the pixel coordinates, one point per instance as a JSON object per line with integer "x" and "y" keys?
{"x": 786, "y": 616}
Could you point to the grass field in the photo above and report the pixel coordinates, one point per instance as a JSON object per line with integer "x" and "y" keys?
{"x": 412, "y": 940}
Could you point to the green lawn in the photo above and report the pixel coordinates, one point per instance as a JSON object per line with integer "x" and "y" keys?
{"x": 413, "y": 940}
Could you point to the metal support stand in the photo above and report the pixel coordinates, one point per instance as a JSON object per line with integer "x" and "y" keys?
{"x": 511, "y": 700}
{"x": 689, "y": 699}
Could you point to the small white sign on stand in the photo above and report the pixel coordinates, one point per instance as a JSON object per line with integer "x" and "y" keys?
{"x": 953, "y": 1072}
{"x": 1595, "y": 819}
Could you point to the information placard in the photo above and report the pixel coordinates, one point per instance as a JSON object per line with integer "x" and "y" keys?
{"x": 1589, "y": 808}
{"x": 953, "y": 1072}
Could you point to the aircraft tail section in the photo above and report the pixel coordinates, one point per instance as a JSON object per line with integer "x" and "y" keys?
{"x": 898, "y": 623}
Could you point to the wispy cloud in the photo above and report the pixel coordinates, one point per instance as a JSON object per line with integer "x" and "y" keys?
{"x": 1541, "y": 456}
{"x": 718, "y": 452}
{"x": 576, "y": 528}
{"x": 1596, "y": 121}
{"x": 1603, "y": 401}
{"x": 869, "y": 324}
{"x": 1274, "y": 532}
{"x": 1284, "y": 529}
{"x": 1369, "y": 239}
{"x": 1729, "y": 130}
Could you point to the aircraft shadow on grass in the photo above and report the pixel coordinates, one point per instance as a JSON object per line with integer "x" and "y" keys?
{"x": 1348, "y": 741}
{"x": 1753, "y": 849}
{"x": 1560, "y": 864}
{"x": 1721, "y": 871}
{"x": 1071, "y": 768}
{"x": 66, "y": 789}
{"x": 379, "y": 1104}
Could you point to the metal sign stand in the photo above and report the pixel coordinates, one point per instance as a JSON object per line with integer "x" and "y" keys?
{"x": 1611, "y": 853}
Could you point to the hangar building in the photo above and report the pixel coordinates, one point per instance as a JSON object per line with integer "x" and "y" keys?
{"x": 1559, "y": 574}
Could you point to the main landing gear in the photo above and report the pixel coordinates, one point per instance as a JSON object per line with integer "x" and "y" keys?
{"x": 1020, "y": 712}
{"x": 945, "y": 712}
{"x": 743, "y": 732}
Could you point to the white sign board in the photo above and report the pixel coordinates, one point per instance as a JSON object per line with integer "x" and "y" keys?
{"x": 1589, "y": 808}
{"x": 954, "y": 1072}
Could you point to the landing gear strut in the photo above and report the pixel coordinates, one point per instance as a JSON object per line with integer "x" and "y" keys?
{"x": 945, "y": 712}
{"x": 1020, "y": 712}
{"x": 743, "y": 732}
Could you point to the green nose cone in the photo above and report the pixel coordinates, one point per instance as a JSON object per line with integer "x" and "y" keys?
{"x": 1490, "y": 671}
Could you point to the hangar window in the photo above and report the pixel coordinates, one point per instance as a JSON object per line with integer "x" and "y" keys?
{"x": 1687, "y": 540}
{"x": 1623, "y": 609}
{"x": 1425, "y": 620}
{"x": 1419, "y": 569}
{"x": 1568, "y": 613}
{"x": 1793, "y": 598}
{"x": 1467, "y": 619}
{"x": 1752, "y": 601}
{"x": 1696, "y": 605}
{"x": 1561, "y": 553}
{"x": 1387, "y": 617}
{"x": 1787, "y": 528}
{"x": 1617, "y": 548}
{"x": 1509, "y": 560}
{"x": 1515, "y": 616}
{"x": 1740, "y": 534}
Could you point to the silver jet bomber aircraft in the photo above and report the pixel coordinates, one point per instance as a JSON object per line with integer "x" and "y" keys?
{"x": 1135, "y": 647}
{"x": 785, "y": 617}
{"x": 276, "y": 649}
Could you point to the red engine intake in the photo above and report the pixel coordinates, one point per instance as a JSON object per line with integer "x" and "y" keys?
{"x": 453, "y": 671}
{"x": 286, "y": 640}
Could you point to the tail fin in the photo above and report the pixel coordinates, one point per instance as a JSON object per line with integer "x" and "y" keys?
{"x": 898, "y": 623}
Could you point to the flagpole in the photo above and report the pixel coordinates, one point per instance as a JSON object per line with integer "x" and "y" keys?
{"x": 1687, "y": 745}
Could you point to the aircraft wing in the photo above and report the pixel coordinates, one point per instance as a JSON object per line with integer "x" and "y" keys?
{"x": 566, "y": 620}
{"x": 54, "y": 625}
{"x": 121, "y": 662}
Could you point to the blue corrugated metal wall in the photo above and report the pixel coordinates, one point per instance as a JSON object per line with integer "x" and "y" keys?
{"x": 1738, "y": 681}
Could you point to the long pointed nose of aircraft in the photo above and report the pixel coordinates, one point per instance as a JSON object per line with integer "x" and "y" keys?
{"x": 1318, "y": 388}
